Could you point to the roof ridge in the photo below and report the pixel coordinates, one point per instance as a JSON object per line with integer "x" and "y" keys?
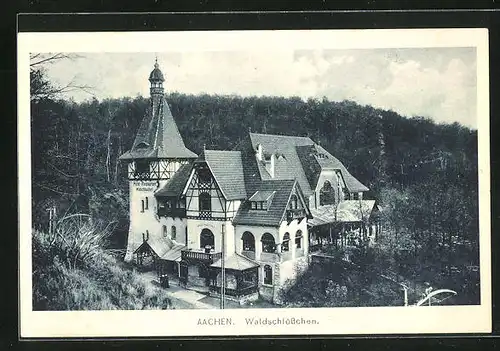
{"x": 281, "y": 135}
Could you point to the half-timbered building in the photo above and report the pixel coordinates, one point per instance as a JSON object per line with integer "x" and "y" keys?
{"x": 243, "y": 220}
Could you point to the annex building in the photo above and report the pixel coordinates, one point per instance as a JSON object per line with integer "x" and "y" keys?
{"x": 249, "y": 217}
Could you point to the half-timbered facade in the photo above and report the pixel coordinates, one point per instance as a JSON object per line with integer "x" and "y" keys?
{"x": 243, "y": 216}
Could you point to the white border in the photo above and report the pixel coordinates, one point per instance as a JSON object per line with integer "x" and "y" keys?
{"x": 373, "y": 320}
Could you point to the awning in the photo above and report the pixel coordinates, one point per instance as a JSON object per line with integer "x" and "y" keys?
{"x": 347, "y": 211}
{"x": 236, "y": 262}
{"x": 174, "y": 254}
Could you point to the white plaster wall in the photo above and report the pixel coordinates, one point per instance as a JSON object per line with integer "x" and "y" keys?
{"x": 140, "y": 222}
{"x": 257, "y": 232}
{"x": 195, "y": 226}
{"x": 179, "y": 223}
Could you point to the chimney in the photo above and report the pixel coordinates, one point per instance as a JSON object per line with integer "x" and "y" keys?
{"x": 270, "y": 165}
{"x": 260, "y": 152}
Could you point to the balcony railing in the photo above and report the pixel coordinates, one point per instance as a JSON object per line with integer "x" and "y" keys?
{"x": 200, "y": 256}
{"x": 235, "y": 292}
{"x": 297, "y": 213}
{"x": 172, "y": 212}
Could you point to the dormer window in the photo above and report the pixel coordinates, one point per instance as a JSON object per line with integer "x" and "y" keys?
{"x": 259, "y": 205}
{"x": 261, "y": 200}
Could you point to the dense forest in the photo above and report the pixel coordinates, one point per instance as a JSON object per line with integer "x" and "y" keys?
{"x": 423, "y": 174}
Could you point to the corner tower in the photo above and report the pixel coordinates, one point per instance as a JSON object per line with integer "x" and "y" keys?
{"x": 156, "y": 155}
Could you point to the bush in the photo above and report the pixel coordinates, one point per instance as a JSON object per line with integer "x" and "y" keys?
{"x": 77, "y": 275}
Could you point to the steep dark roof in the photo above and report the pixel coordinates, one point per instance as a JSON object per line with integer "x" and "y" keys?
{"x": 331, "y": 162}
{"x": 288, "y": 165}
{"x": 313, "y": 165}
{"x": 273, "y": 216}
{"x": 227, "y": 169}
{"x": 158, "y": 135}
{"x": 176, "y": 184}
{"x": 156, "y": 74}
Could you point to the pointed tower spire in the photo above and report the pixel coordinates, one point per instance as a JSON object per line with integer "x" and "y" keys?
{"x": 158, "y": 135}
{"x": 156, "y": 80}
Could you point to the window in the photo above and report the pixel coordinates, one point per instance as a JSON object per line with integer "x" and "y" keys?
{"x": 286, "y": 241}
{"x": 298, "y": 239}
{"x": 327, "y": 194}
{"x": 173, "y": 234}
{"x": 207, "y": 239}
{"x": 204, "y": 175}
{"x": 259, "y": 205}
{"x": 142, "y": 205}
{"x": 268, "y": 243}
{"x": 164, "y": 231}
{"x": 147, "y": 202}
{"x": 294, "y": 202}
{"x": 205, "y": 202}
{"x": 141, "y": 167}
{"x": 248, "y": 241}
{"x": 268, "y": 275}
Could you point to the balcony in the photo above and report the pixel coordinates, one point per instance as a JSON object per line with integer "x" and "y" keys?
{"x": 200, "y": 255}
{"x": 172, "y": 212}
{"x": 297, "y": 213}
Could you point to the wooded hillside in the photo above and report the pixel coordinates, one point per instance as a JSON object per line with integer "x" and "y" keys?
{"x": 424, "y": 174}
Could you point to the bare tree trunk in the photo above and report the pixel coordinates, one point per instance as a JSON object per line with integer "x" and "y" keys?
{"x": 117, "y": 158}
{"x": 108, "y": 156}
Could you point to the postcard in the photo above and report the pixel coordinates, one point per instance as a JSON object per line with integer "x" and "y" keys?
{"x": 223, "y": 183}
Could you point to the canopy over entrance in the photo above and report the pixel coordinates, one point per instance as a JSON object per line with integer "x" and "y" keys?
{"x": 348, "y": 211}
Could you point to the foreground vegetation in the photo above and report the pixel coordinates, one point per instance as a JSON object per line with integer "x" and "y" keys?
{"x": 424, "y": 175}
{"x": 72, "y": 273}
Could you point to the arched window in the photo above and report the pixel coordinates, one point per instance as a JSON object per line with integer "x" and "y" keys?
{"x": 327, "y": 194}
{"x": 205, "y": 202}
{"x": 298, "y": 239}
{"x": 207, "y": 239}
{"x": 248, "y": 241}
{"x": 268, "y": 243}
{"x": 173, "y": 233}
{"x": 294, "y": 202}
{"x": 285, "y": 246}
{"x": 268, "y": 275}
{"x": 164, "y": 231}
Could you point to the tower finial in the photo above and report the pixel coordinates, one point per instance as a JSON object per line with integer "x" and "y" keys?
{"x": 156, "y": 60}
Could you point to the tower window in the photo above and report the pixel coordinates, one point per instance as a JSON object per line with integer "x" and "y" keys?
{"x": 147, "y": 203}
{"x": 173, "y": 233}
{"x": 141, "y": 167}
{"x": 164, "y": 230}
{"x": 142, "y": 205}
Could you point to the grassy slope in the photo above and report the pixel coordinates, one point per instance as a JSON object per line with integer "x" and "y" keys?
{"x": 105, "y": 283}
